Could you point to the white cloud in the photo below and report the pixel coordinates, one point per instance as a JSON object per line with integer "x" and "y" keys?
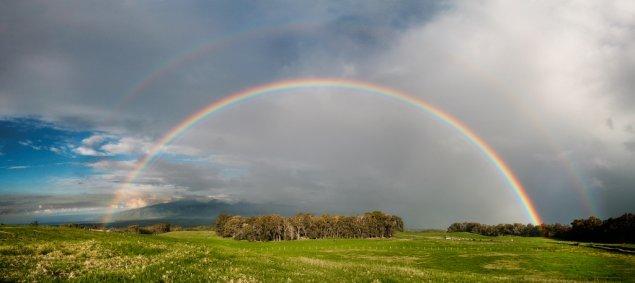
{"x": 30, "y": 144}
{"x": 90, "y": 146}
{"x": 68, "y": 210}
{"x": 534, "y": 78}
{"x": 82, "y": 150}
{"x": 94, "y": 140}
{"x": 17, "y": 167}
{"x": 113, "y": 165}
{"x": 126, "y": 145}
{"x": 109, "y": 145}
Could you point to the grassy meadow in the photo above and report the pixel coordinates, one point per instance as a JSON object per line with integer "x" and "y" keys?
{"x": 51, "y": 253}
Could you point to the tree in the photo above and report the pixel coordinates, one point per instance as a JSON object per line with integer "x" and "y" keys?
{"x": 276, "y": 228}
{"x": 620, "y": 229}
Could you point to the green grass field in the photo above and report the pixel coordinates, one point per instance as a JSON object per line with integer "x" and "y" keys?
{"x": 46, "y": 253}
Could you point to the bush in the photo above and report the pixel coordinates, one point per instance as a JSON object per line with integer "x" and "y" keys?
{"x": 133, "y": 229}
{"x": 82, "y": 225}
{"x": 152, "y": 229}
{"x": 159, "y": 228}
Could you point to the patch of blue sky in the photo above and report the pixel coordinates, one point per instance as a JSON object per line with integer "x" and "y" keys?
{"x": 33, "y": 152}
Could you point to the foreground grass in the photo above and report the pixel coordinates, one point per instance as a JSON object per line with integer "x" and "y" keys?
{"x": 45, "y": 253}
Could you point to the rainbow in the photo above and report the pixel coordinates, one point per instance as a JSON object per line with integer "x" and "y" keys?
{"x": 287, "y": 85}
{"x": 218, "y": 44}
{"x": 576, "y": 180}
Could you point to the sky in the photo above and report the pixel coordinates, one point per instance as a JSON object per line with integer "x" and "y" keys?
{"x": 88, "y": 87}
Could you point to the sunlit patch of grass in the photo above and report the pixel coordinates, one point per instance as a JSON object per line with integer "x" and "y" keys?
{"x": 504, "y": 264}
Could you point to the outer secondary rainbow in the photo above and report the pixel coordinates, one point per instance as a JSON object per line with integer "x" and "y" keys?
{"x": 364, "y": 87}
{"x": 219, "y": 44}
{"x": 237, "y": 38}
{"x": 583, "y": 191}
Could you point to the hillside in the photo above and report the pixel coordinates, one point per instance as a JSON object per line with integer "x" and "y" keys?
{"x": 196, "y": 211}
{"x": 49, "y": 254}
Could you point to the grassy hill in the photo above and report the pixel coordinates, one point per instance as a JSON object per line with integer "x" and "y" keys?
{"x": 47, "y": 253}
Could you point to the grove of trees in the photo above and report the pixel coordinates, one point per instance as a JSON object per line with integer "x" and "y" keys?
{"x": 275, "y": 227}
{"x": 613, "y": 230}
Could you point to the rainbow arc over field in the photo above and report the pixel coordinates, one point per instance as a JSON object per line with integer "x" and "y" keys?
{"x": 336, "y": 83}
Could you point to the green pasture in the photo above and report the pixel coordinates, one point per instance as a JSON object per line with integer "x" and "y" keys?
{"x": 51, "y": 253}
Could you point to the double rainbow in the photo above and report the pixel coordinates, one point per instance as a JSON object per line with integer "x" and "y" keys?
{"x": 364, "y": 87}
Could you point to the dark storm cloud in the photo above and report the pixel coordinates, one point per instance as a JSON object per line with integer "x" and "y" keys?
{"x": 617, "y": 187}
{"x": 90, "y": 54}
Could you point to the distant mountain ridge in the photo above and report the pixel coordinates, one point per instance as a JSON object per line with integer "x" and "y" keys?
{"x": 198, "y": 211}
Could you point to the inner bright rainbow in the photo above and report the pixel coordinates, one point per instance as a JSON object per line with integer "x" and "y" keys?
{"x": 364, "y": 87}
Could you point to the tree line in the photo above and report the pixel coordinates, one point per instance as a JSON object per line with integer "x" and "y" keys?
{"x": 137, "y": 229}
{"x": 275, "y": 227}
{"x": 612, "y": 230}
